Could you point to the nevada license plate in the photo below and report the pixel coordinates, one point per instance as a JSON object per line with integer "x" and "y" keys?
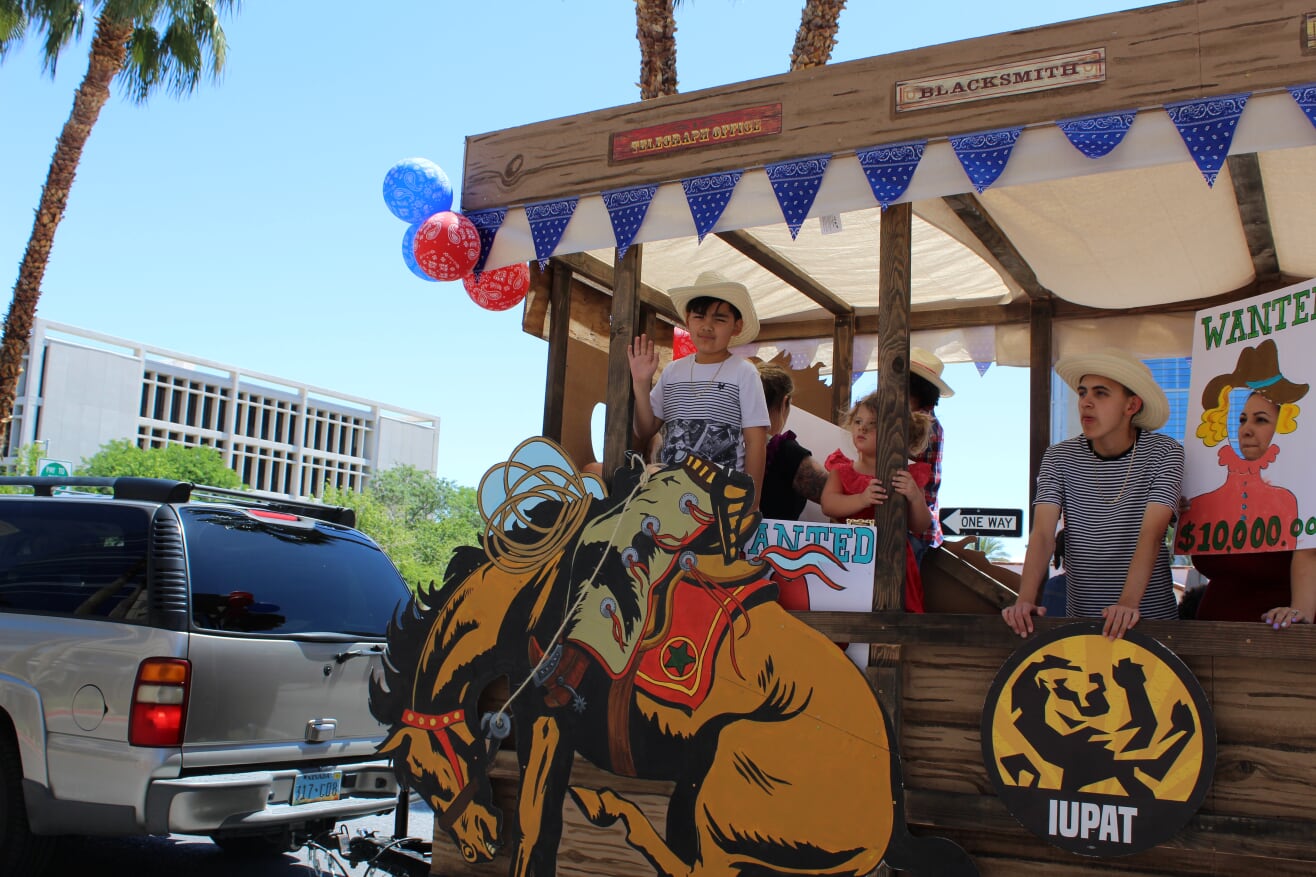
{"x": 311, "y": 787}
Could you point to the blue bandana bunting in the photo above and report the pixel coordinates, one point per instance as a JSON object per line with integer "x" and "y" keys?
{"x": 1096, "y": 136}
{"x": 708, "y": 196}
{"x": 626, "y": 209}
{"x": 548, "y": 220}
{"x": 983, "y": 155}
{"x": 1207, "y": 128}
{"x": 890, "y": 168}
{"x": 487, "y": 223}
{"x": 1305, "y": 96}
{"x": 795, "y": 184}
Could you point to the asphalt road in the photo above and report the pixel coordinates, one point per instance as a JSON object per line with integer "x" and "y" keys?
{"x": 177, "y": 855}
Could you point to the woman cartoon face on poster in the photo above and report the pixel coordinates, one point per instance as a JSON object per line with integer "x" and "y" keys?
{"x": 1247, "y": 513}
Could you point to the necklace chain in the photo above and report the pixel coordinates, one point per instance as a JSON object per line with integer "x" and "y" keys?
{"x": 1127, "y": 472}
{"x": 700, "y": 389}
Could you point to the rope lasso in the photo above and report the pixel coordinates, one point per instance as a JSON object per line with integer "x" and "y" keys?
{"x": 580, "y": 597}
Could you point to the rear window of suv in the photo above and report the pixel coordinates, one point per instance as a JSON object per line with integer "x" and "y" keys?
{"x": 83, "y": 559}
{"x": 258, "y": 572}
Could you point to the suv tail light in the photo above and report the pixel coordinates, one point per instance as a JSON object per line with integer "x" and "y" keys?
{"x": 159, "y": 708}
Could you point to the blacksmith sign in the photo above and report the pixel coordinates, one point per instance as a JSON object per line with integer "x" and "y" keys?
{"x": 982, "y": 522}
{"x": 1101, "y": 747}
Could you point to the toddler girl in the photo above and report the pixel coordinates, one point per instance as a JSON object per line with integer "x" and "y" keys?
{"x": 853, "y": 492}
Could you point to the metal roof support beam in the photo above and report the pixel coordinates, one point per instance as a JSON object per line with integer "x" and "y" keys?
{"x": 786, "y": 271}
{"x": 1250, "y": 192}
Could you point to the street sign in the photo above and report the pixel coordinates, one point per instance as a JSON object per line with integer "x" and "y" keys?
{"x": 56, "y": 468}
{"x": 982, "y": 522}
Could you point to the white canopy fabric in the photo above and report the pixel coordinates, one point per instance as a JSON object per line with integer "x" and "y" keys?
{"x": 1137, "y": 227}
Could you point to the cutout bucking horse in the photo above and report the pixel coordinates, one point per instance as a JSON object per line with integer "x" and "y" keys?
{"x": 634, "y": 632}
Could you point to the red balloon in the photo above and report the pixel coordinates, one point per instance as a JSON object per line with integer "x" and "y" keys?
{"x": 499, "y": 289}
{"x": 682, "y": 343}
{"x": 447, "y": 246}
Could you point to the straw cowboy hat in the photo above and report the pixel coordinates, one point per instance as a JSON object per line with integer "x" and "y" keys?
{"x": 928, "y": 366}
{"x": 714, "y": 285}
{"x": 1123, "y": 367}
{"x": 1257, "y": 369}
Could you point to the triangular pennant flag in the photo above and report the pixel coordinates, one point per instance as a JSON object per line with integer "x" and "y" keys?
{"x": 982, "y": 367}
{"x": 1095, "y": 136}
{"x": 890, "y": 168}
{"x": 487, "y": 223}
{"x": 548, "y": 220}
{"x": 795, "y": 184}
{"x": 983, "y": 155}
{"x": 1305, "y": 95}
{"x": 708, "y": 196}
{"x": 626, "y": 209}
{"x": 1207, "y": 128}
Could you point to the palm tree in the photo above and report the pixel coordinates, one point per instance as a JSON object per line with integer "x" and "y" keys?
{"x": 816, "y": 37}
{"x": 146, "y": 44}
{"x": 994, "y": 549}
{"x": 655, "y": 30}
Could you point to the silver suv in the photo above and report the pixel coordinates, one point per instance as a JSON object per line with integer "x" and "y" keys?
{"x": 176, "y": 666}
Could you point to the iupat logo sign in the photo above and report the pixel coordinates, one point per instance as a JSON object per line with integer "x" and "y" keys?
{"x": 1102, "y": 747}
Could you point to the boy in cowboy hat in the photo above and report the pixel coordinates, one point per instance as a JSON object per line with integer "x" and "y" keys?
{"x": 1117, "y": 486}
{"x": 926, "y": 388}
{"x": 711, "y": 402}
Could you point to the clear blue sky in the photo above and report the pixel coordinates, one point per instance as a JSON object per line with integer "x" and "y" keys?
{"x": 245, "y": 224}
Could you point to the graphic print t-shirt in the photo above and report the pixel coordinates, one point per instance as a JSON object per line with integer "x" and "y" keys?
{"x": 705, "y": 407}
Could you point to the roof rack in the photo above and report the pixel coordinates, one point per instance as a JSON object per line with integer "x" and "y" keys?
{"x": 318, "y": 510}
{"x": 169, "y": 490}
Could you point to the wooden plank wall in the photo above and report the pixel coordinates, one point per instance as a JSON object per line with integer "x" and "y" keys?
{"x": 1257, "y": 817}
{"x": 1154, "y": 55}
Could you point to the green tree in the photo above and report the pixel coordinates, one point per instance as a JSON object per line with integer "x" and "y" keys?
{"x": 994, "y": 548}
{"x": 146, "y": 45}
{"x": 418, "y": 519}
{"x": 197, "y": 465}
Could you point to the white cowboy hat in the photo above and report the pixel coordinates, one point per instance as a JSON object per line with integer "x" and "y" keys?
{"x": 928, "y": 366}
{"x": 1119, "y": 366}
{"x": 714, "y": 285}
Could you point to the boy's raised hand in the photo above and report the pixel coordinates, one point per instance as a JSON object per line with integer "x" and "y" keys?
{"x": 644, "y": 361}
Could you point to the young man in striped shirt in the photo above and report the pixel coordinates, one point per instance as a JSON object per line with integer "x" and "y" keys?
{"x": 1117, "y": 486}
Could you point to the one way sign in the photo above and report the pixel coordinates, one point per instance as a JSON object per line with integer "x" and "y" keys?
{"x": 982, "y": 522}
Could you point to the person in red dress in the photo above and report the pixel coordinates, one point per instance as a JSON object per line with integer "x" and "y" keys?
{"x": 853, "y": 491}
{"x": 1250, "y": 586}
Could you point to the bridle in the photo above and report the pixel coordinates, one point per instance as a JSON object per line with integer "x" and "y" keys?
{"x": 440, "y": 727}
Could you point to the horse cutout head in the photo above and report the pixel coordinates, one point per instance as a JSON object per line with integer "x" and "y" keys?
{"x": 434, "y": 747}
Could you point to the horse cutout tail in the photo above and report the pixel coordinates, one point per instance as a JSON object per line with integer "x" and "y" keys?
{"x": 922, "y": 856}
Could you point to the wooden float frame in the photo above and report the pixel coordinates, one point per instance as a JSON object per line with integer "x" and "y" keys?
{"x": 931, "y": 671}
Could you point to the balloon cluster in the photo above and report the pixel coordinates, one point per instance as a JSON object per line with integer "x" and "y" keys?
{"x": 440, "y": 243}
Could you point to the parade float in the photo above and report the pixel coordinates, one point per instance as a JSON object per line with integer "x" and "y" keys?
{"x": 1008, "y": 199}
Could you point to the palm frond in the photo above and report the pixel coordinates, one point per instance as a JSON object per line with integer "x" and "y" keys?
{"x": 175, "y": 44}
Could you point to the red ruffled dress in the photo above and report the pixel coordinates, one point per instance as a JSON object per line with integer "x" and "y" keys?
{"x": 853, "y": 482}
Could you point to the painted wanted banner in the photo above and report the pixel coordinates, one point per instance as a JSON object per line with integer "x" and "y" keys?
{"x": 1246, "y": 479}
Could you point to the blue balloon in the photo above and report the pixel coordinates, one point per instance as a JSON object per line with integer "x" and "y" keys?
{"x": 415, "y": 189}
{"x": 408, "y": 254}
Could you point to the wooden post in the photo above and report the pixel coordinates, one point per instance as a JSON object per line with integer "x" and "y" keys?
{"x": 842, "y": 365}
{"x": 893, "y": 305}
{"x": 559, "y": 338}
{"x": 1039, "y": 389}
{"x": 618, "y": 428}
